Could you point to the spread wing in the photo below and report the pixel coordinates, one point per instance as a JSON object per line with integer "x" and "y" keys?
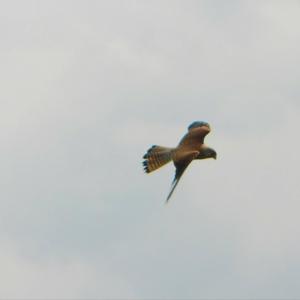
{"x": 181, "y": 165}
{"x": 195, "y": 136}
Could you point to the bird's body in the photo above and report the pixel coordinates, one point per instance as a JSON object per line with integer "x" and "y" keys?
{"x": 189, "y": 148}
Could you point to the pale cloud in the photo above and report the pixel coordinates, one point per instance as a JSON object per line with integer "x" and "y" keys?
{"x": 67, "y": 277}
{"x": 87, "y": 87}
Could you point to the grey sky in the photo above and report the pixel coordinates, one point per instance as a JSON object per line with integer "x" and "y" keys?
{"x": 87, "y": 87}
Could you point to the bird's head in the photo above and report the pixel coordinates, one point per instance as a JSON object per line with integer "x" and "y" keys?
{"x": 209, "y": 153}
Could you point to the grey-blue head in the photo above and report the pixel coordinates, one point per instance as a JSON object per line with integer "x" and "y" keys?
{"x": 198, "y": 124}
{"x": 207, "y": 152}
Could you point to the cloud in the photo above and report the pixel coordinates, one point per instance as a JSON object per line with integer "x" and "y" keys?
{"x": 87, "y": 88}
{"x": 67, "y": 277}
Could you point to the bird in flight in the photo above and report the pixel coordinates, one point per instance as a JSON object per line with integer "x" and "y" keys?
{"x": 189, "y": 148}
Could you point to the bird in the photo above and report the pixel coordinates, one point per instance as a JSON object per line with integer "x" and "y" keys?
{"x": 190, "y": 147}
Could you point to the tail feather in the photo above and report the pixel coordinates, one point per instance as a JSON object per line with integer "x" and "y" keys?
{"x": 156, "y": 157}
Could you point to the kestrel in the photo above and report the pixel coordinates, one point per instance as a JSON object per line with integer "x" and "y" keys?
{"x": 189, "y": 148}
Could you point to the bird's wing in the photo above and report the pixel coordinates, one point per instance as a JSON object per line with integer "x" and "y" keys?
{"x": 195, "y": 136}
{"x": 180, "y": 168}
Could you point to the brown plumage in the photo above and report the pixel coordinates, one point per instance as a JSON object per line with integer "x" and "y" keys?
{"x": 190, "y": 147}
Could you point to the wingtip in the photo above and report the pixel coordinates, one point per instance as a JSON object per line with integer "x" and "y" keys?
{"x": 174, "y": 183}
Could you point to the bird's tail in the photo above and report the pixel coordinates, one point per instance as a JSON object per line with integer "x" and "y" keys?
{"x": 156, "y": 157}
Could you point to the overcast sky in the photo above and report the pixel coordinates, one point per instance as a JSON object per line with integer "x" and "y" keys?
{"x": 87, "y": 87}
